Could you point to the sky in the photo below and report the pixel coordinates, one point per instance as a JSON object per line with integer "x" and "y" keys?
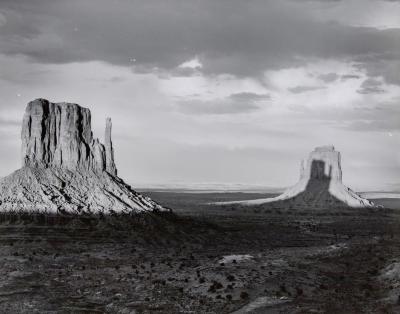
{"x": 226, "y": 92}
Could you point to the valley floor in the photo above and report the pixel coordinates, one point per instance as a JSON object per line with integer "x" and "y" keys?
{"x": 205, "y": 260}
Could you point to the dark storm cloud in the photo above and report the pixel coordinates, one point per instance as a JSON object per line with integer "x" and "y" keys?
{"x": 329, "y": 77}
{"x": 234, "y": 104}
{"x": 386, "y": 65}
{"x": 324, "y": 1}
{"x": 249, "y": 97}
{"x": 234, "y": 37}
{"x": 303, "y": 89}
{"x": 371, "y": 86}
{"x": 349, "y": 77}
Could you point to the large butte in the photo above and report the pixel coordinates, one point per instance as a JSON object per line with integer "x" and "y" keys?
{"x": 65, "y": 169}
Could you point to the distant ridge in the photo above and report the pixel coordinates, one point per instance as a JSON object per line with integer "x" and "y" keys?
{"x": 373, "y": 195}
{"x": 209, "y": 188}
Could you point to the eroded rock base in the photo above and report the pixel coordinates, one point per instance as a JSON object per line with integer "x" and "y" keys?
{"x": 55, "y": 190}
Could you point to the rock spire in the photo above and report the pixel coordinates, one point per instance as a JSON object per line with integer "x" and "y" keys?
{"x": 110, "y": 164}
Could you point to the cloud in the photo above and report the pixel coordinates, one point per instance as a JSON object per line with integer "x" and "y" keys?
{"x": 250, "y": 39}
{"x": 355, "y": 102}
{"x": 117, "y": 79}
{"x": 234, "y": 104}
{"x": 328, "y": 77}
{"x": 371, "y": 86}
{"x": 384, "y": 117}
{"x": 3, "y": 20}
{"x": 376, "y": 125}
{"x": 379, "y": 14}
{"x": 302, "y": 89}
{"x": 249, "y": 97}
{"x": 386, "y": 65}
{"x": 322, "y": 1}
{"x": 192, "y": 64}
{"x": 349, "y": 77}
{"x": 364, "y": 118}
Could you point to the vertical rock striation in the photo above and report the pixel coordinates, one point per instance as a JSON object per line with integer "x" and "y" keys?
{"x": 60, "y": 135}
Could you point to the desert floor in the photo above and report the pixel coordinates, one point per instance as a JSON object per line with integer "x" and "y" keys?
{"x": 204, "y": 260}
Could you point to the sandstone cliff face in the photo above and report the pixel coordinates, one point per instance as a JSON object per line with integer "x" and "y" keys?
{"x": 329, "y": 165}
{"x": 64, "y": 169}
{"x": 60, "y": 135}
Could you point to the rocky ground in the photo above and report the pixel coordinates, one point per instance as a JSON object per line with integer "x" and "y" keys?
{"x": 205, "y": 261}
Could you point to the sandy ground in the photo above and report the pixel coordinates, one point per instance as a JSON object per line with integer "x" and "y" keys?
{"x": 207, "y": 262}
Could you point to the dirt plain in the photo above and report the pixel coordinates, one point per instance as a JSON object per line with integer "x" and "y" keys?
{"x": 203, "y": 259}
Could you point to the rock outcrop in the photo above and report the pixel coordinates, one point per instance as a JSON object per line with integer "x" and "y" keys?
{"x": 64, "y": 169}
{"x": 60, "y": 135}
{"x": 320, "y": 185}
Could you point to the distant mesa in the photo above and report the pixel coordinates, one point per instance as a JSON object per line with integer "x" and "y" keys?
{"x": 65, "y": 169}
{"x": 320, "y": 185}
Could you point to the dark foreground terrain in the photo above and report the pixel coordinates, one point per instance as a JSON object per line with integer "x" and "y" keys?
{"x": 205, "y": 260}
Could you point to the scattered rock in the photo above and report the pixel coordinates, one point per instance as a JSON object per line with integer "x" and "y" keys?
{"x": 235, "y": 258}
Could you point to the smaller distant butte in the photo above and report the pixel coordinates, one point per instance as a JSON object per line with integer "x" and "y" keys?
{"x": 320, "y": 186}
